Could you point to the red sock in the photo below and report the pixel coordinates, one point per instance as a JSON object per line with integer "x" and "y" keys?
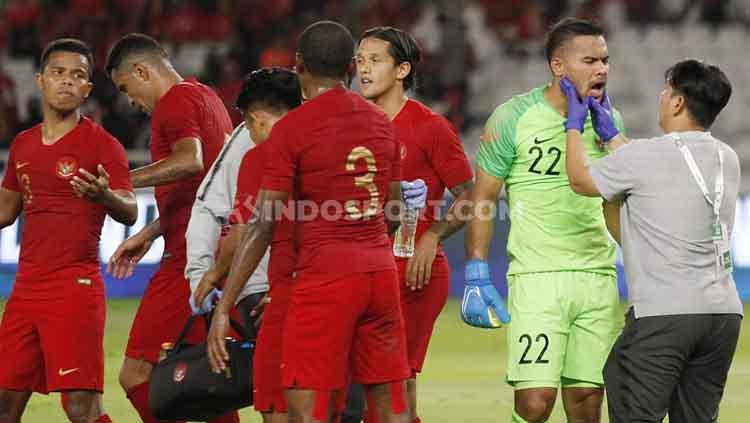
{"x": 138, "y": 396}
{"x": 103, "y": 419}
{"x": 232, "y": 417}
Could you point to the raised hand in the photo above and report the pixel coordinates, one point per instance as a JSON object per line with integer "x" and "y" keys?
{"x": 578, "y": 108}
{"x": 602, "y": 118}
{"x": 90, "y": 187}
{"x": 414, "y": 193}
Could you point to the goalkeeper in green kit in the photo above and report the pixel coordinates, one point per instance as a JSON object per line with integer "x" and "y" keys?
{"x": 562, "y": 283}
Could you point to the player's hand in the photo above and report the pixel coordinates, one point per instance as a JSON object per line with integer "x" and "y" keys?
{"x": 90, "y": 187}
{"x": 204, "y": 302}
{"x": 128, "y": 254}
{"x": 414, "y": 193}
{"x": 216, "y": 344}
{"x": 602, "y": 118}
{"x": 206, "y": 285}
{"x": 419, "y": 267}
{"x": 257, "y": 312}
{"x": 578, "y": 108}
{"x": 482, "y": 306}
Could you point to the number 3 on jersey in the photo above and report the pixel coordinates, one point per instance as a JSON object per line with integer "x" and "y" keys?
{"x": 366, "y": 181}
{"x": 25, "y": 180}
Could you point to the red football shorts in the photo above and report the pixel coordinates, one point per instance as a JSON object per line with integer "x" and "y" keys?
{"x": 51, "y": 336}
{"x": 267, "y": 393}
{"x": 350, "y": 325}
{"x": 421, "y": 309}
{"x": 162, "y": 314}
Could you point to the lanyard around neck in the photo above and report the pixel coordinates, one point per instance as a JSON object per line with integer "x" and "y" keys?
{"x": 698, "y": 177}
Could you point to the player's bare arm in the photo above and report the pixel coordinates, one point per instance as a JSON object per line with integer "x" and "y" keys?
{"x": 221, "y": 266}
{"x": 483, "y": 211}
{"x": 185, "y": 161}
{"x": 612, "y": 218}
{"x": 253, "y": 246}
{"x": 419, "y": 268}
{"x": 120, "y": 204}
{"x": 10, "y": 206}
{"x": 393, "y": 207}
{"x": 577, "y": 165}
{"x": 131, "y": 251}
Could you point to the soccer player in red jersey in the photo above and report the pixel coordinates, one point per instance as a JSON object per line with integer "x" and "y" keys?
{"x": 386, "y": 66}
{"x": 339, "y": 155}
{"x": 188, "y": 126}
{"x": 64, "y": 175}
{"x": 267, "y": 95}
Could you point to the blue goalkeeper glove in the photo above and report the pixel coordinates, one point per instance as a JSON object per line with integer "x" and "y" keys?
{"x": 578, "y": 109}
{"x": 208, "y": 302}
{"x": 482, "y": 306}
{"x": 602, "y": 118}
{"x": 414, "y": 193}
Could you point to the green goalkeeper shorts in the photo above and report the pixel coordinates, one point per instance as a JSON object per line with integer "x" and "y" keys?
{"x": 563, "y": 325}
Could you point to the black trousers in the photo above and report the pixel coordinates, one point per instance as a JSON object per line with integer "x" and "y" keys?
{"x": 244, "y": 307}
{"x": 674, "y": 365}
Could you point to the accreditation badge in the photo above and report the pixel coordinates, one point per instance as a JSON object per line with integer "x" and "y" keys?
{"x": 722, "y": 249}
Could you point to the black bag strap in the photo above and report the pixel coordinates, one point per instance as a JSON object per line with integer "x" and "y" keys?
{"x": 181, "y": 337}
{"x": 237, "y": 326}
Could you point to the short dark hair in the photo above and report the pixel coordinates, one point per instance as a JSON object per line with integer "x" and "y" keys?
{"x": 565, "y": 30}
{"x": 275, "y": 88}
{"x": 71, "y": 45}
{"x": 401, "y": 46}
{"x": 705, "y": 87}
{"x": 131, "y": 44}
{"x": 327, "y": 48}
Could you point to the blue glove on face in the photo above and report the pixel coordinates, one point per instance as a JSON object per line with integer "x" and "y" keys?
{"x": 577, "y": 109}
{"x": 414, "y": 193}
{"x": 482, "y": 306}
{"x": 208, "y": 302}
{"x": 603, "y": 119}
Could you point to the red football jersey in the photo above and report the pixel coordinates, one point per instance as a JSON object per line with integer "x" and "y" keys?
{"x": 432, "y": 151}
{"x": 188, "y": 110}
{"x": 338, "y": 153}
{"x": 60, "y": 230}
{"x": 283, "y": 255}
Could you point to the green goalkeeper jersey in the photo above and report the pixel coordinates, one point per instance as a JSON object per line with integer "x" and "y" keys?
{"x": 551, "y": 227}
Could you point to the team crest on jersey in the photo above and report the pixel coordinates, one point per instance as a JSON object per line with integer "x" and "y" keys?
{"x": 403, "y": 152}
{"x": 66, "y": 167}
{"x": 180, "y": 370}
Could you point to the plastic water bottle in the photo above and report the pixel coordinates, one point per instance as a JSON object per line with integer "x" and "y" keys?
{"x": 403, "y": 242}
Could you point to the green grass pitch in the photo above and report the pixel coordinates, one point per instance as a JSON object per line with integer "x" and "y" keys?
{"x": 462, "y": 379}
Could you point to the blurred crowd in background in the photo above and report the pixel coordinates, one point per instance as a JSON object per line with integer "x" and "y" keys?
{"x": 220, "y": 41}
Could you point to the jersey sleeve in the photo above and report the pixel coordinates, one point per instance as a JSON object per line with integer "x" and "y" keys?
{"x": 497, "y": 149}
{"x": 242, "y": 202}
{"x": 281, "y": 165}
{"x": 10, "y": 180}
{"x": 447, "y": 155}
{"x": 115, "y": 162}
{"x": 180, "y": 119}
{"x": 616, "y": 175}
